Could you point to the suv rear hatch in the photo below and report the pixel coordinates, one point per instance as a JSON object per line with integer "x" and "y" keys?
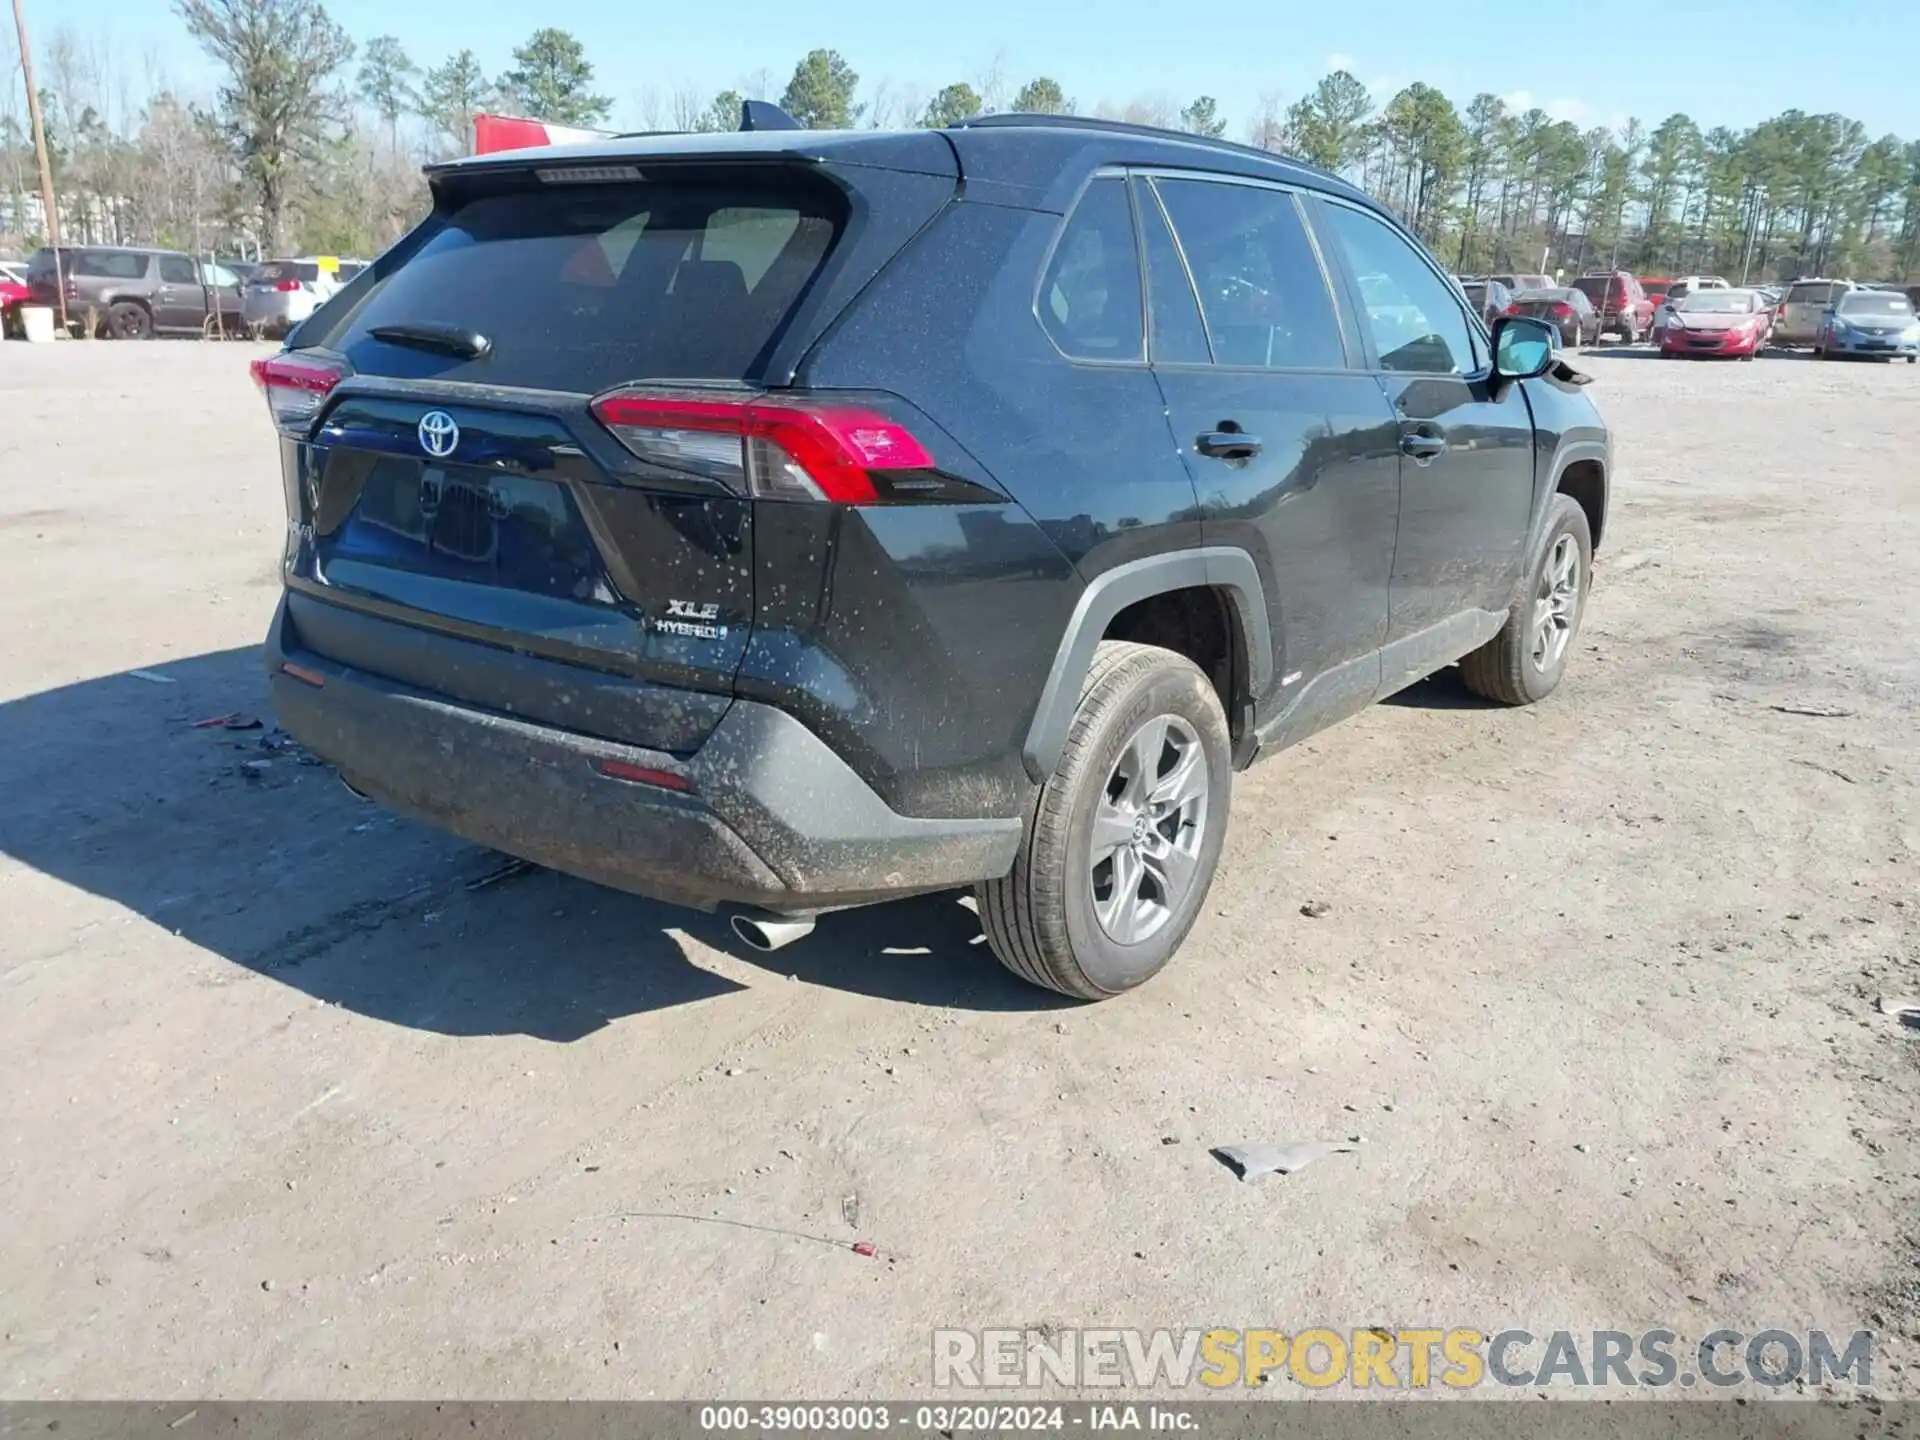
{"x": 540, "y": 426}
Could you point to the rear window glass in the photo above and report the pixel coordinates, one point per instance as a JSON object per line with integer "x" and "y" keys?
{"x": 288, "y": 270}
{"x": 583, "y": 287}
{"x": 111, "y": 264}
{"x": 1090, "y": 296}
{"x": 1594, "y": 287}
{"x": 1810, "y": 294}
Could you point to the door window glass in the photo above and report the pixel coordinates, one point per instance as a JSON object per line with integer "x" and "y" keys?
{"x": 178, "y": 270}
{"x": 1262, "y": 290}
{"x": 1416, "y": 323}
{"x": 1178, "y": 335}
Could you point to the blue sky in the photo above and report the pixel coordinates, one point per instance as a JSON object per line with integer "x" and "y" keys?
{"x": 1627, "y": 57}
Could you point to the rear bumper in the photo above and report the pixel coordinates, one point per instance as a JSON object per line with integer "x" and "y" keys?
{"x": 275, "y": 307}
{"x": 772, "y": 817}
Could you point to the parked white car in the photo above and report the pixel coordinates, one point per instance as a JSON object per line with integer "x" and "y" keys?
{"x": 1679, "y": 290}
{"x": 282, "y": 293}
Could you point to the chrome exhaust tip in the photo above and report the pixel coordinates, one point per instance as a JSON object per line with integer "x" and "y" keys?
{"x": 767, "y": 932}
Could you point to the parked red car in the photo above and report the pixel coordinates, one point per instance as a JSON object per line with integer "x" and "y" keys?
{"x": 13, "y": 293}
{"x": 1731, "y": 323}
{"x": 1625, "y": 307}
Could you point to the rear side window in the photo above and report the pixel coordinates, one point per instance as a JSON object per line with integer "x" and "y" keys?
{"x": 1262, "y": 290}
{"x": 110, "y": 264}
{"x": 1416, "y": 323}
{"x": 583, "y": 287}
{"x": 1090, "y": 294}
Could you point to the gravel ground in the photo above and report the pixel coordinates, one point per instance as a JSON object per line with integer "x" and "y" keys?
{"x": 294, "y": 1110}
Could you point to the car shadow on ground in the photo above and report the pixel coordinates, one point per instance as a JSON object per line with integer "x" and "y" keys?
{"x": 1442, "y": 690}
{"x": 237, "y": 841}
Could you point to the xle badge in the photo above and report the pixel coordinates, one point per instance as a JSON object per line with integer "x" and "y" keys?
{"x": 692, "y": 619}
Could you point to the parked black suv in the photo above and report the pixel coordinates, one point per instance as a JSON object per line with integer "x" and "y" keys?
{"x": 795, "y": 520}
{"x": 133, "y": 294}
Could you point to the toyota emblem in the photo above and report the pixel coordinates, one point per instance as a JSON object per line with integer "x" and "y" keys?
{"x": 438, "y": 433}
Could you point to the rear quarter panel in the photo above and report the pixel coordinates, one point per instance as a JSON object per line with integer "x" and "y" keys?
{"x": 979, "y": 595}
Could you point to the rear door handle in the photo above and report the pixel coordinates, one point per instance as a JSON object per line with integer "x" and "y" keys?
{"x": 1227, "y": 445}
{"x": 1423, "y": 446}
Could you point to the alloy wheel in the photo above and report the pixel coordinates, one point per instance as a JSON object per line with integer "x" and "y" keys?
{"x": 1148, "y": 827}
{"x": 1557, "y": 604}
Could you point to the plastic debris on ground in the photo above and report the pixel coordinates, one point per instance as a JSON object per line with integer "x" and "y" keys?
{"x": 1251, "y": 1162}
{"x": 1907, "y": 1012}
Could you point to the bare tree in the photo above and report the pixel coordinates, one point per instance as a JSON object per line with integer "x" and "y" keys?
{"x": 649, "y": 108}
{"x": 881, "y": 107}
{"x": 688, "y": 108}
{"x": 1267, "y": 129}
{"x": 992, "y": 88}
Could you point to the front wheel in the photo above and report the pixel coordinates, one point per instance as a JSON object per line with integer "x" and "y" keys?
{"x": 1525, "y": 661}
{"x": 1126, "y": 833}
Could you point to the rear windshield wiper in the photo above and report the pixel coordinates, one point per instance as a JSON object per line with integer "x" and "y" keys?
{"x": 425, "y": 335}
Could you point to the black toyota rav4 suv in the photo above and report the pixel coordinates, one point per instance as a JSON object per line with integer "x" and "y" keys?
{"x": 791, "y": 520}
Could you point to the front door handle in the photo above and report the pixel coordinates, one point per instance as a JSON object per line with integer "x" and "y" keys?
{"x": 1227, "y": 445}
{"x": 1423, "y": 446}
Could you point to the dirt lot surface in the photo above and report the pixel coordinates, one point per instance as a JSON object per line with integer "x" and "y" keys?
{"x": 291, "y": 1109}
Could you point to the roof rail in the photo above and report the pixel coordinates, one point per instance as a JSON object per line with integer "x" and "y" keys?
{"x": 1016, "y": 120}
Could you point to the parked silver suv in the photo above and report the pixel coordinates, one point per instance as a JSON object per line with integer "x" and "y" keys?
{"x": 1797, "y": 321}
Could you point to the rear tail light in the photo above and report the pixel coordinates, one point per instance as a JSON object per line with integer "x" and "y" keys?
{"x": 286, "y": 287}
{"x": 1560, "y": 310}
{"x": 295, "y": 386}
{"x": 767, "y": 446}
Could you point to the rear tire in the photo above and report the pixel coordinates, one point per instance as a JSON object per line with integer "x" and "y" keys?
{"x": 1091, "y": 925}
{"x": 128, "y": 321}
{"x": 1525, "y": 661}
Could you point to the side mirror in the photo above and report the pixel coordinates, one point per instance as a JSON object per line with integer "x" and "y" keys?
{"x": 1522, "y": 347}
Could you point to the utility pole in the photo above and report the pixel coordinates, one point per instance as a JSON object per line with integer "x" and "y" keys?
{"x": 48, "y": 210}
